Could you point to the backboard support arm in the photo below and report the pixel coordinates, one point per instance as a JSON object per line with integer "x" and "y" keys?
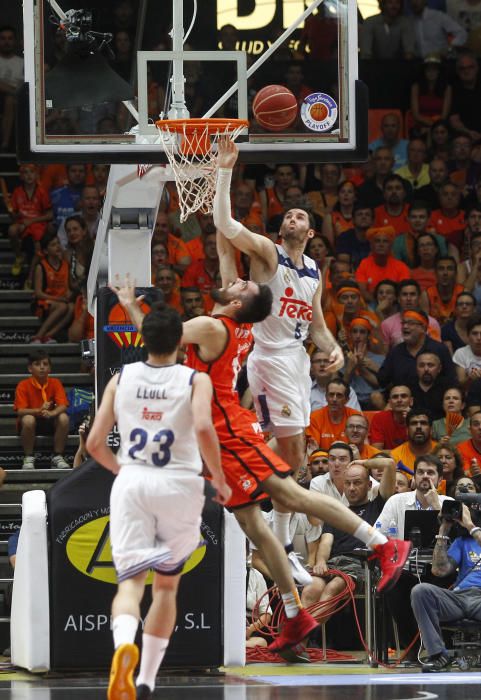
{"x": 178, "y": 109}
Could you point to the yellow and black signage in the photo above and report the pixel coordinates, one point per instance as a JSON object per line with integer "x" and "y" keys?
{"x": 88, "y": 550}
{"x": 83, "y": 579}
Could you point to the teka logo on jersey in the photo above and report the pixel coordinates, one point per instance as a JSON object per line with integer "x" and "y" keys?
{"x": 294, "y": 308}
{"x": 89, "y": 551}
{"x": 151, "y": 415}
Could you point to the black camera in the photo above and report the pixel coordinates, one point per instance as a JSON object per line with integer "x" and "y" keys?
{"x": 78, "y": 24}
{"x": 451, "y": 510}
{"x": 87, "y": 351}
{"x": 85, "y": 426}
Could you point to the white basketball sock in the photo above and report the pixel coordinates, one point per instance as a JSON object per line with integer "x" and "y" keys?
{"x": 153, "y": 652}
{"x": 369, "y": 535}
{"x": 281, "y": 527}
{"x": 292, "y": 603}
{"x": 124, "y": 629}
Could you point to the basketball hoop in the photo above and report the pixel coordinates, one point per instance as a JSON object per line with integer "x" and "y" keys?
{"x": 189, "y": 146}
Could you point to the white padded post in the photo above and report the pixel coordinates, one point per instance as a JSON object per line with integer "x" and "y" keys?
{"x": 234, "y": 592}
{"x": 30, "y": 617}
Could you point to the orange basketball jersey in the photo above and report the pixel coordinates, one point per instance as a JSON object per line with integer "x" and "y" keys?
{"x": 55, "y": 281}
{"x": 246, "y": 459}
{"x": 224, "y": 370}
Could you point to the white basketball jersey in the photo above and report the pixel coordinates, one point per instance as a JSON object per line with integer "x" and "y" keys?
{"x": 154, "y": 417}
{"x": 292, "y": 289}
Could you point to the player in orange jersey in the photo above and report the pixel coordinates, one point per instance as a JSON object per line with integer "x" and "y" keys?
{"x": 218, "y": 346}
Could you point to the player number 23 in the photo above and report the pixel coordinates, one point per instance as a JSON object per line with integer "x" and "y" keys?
{"x": 165, "y": 438}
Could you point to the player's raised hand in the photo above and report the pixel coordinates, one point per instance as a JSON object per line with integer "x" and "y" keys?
{"x": 125, "y": 291}
{"x": 223, "y": 490}
{"x": 227, "y": 152}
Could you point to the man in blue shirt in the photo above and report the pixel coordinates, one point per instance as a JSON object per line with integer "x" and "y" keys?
{"x": 432, "y": 605}
{"x": 391, "y": 137}
{"x": 66, "y": 199}
{"x": 354, "y": 241}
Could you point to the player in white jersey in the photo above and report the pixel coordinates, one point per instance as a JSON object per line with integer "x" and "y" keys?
{"x": 163, "y": 413}
{"x": 278, "y": 368}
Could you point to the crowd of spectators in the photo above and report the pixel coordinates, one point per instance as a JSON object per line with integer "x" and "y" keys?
{"x": 398, "y": 241}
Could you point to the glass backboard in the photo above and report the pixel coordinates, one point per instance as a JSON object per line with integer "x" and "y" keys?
{"x": 98, "y": 76}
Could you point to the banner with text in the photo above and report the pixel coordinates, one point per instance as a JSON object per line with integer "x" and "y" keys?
{"x": 83, "y": 580}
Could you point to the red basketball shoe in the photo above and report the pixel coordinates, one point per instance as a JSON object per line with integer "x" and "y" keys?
{"x": 392, "y": 556}
{"x": 293, "y": 631}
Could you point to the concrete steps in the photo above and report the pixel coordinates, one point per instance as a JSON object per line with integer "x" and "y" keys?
{"x": 18, "y": 363}
{"x": 5, "y": 269}
{"x": 17, "y": 482}
{"x": 18, "y": 329}
{"x": 11, "y": 453}
{"x": 17, "y": 302}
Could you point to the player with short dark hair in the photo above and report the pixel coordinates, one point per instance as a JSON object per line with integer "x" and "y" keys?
{"x": 218, "y": 345}
{"x": 163, "y": 413}
{"x": 279, "y": 360}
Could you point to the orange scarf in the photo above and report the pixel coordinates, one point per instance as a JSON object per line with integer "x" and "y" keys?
{"x": 42, "y": 387}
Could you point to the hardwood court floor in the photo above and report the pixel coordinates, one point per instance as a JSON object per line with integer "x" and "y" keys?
{"x": 261, "y": 682}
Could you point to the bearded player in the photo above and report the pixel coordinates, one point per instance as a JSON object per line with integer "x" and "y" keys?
{"x": 218, "y": 346}
{"x": 278, "y": 369}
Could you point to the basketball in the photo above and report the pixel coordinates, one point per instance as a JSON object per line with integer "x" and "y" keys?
{"x": 275, "y": 108}
{"x": 318, "y": 112}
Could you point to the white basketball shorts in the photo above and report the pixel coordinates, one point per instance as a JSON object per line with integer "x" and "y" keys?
{"x": 281, "y": 387}
{"x": 155, "y": 519}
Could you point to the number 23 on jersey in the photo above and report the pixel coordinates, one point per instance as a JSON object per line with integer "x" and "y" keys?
{"x": 160, "y": 453}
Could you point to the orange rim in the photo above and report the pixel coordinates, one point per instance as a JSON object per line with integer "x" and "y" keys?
{"x": 196, "y": 133}
{"x": 189, "y": 126}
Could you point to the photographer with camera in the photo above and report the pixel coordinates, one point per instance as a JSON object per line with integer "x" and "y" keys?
{"x": 428, "y": 472}
{"x": 432, "y": 605}
{"x": 83, "y": 432}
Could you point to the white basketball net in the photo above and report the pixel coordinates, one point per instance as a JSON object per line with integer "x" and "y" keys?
{"x": 193, "y": 165}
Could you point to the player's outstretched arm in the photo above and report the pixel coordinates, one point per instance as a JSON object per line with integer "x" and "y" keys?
{"x": 252, "y": 244}
{"x": 321, "y": 336}
{"x": 103, "y": 424}
{"x": 200, "y": 331}
{"x": 125, "y": 292}
{"x": 206, "y": 435}
{"x": 227, "y": 263}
